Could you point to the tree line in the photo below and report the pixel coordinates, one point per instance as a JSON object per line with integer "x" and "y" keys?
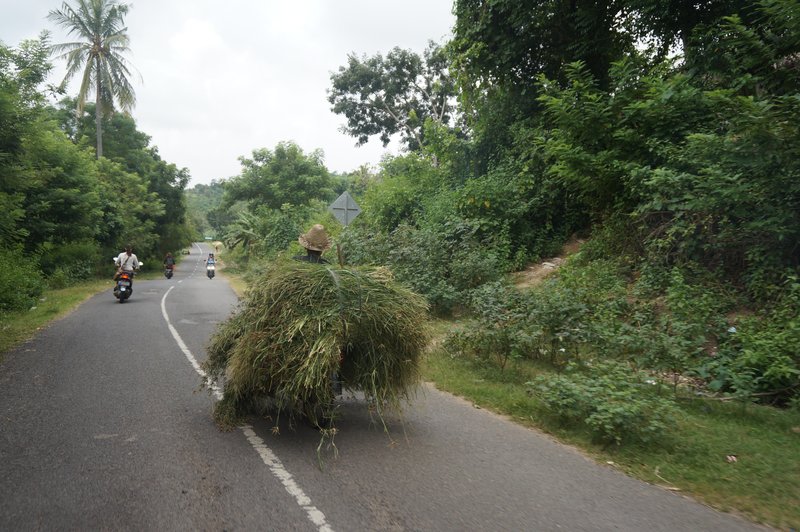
{"x": 64, "y": 210}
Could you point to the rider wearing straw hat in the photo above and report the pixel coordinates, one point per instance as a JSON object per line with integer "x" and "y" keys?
{"x": 315, "y": 241}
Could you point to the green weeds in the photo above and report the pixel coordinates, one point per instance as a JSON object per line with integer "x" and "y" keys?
{"x": 733, "y": 459}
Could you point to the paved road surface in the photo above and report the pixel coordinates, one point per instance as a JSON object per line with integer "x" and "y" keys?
{"x": 103, "y": 426}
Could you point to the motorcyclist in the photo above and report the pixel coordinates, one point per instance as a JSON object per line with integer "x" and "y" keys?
{"x": 210, "y": 265}
{"x": 315, "y": 241}
{"x": 126, "y": 261}
{"x": 169, "y": 261}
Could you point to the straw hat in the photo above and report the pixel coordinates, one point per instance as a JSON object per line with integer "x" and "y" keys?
{"x": 316, "y": 239}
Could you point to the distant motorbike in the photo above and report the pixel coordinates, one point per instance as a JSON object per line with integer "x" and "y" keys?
{"x": 210, "y": 270}
{"x": 168, "y": 272}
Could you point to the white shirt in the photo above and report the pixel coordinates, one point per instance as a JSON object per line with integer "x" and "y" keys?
{"x": 127, "y": 262}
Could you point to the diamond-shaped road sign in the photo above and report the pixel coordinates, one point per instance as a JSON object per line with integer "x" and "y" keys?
{"x": 345, "y": 208}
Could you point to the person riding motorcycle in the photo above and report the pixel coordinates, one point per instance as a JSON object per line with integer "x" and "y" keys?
{"x": 211, "y": 266}
{"x": 126, "y": 261}
{"x": 169, "y": 261}
{"x": 315, "y": 241}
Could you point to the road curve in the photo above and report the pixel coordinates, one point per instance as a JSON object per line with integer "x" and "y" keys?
{"x": 103, "y": 426}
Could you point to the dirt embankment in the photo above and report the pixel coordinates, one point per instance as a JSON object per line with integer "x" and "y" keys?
{"x": 535, "y": 273}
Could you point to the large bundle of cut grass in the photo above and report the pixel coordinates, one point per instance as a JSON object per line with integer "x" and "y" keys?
{"x": 303, "y": 325}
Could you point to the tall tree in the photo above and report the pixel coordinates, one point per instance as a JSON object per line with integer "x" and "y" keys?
{"x": 511, "y": 42}
{"x": 283, "y": 175}
{"x": 98, "y": 55}
{"x": 395, "y": 94}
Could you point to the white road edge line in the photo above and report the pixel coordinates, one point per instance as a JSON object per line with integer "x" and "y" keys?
{"x": 267, "y": 456}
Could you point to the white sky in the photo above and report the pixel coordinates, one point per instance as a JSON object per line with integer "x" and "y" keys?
{"x": 223, "y": 77}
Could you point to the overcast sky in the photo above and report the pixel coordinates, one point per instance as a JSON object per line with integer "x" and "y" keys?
{"x": 221, "y": 78}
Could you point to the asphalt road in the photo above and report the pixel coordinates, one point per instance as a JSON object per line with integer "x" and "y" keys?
{"x": 103, "y": 426}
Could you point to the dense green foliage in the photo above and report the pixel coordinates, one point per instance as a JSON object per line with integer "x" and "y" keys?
{"x": 20, "y": 284}
{"x": 64, "y": 212}
{"x": 395, "y": 94}
{"x": 664, "y": 132}
{"x": 275, "y": 177}
{"x": 261, "y": 211}
{"x": 203, "y": 204}
{"x": 682, "y": 169}
{"x": 614, "y": 403}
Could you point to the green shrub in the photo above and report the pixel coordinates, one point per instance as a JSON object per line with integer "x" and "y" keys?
{"x": 363, "y": 245}
{"x": 552, "y": 322}
{"x": 67, "y": 263}
{"x": 444, "y": 263}
{"x": 404, "y": 185}
{"x": 615, "y": 403}
{"x": 21, "y": 282}
{"x": 266, "y": 232}
{"x": 759, "y": 358}
{"x": 500, "y": 334}
{"x": 519, "y": 203}
{"x": 563, "y": 318}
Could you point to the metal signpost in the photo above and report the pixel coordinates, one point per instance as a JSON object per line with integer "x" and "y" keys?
{"x": 345, "y": 208}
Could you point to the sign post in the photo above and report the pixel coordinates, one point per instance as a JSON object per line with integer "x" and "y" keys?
{"x": 345, "y": 208}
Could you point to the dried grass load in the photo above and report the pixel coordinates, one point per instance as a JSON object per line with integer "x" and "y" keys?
{"x": 302, "y": 324}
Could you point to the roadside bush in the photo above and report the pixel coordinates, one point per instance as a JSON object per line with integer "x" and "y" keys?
{"x": 671, "y": 330}
{"x": 364, "y": 246}
{"x": 553, "y": 322}
{"x": 501, "y": 333}
{"x": 399, "y": 194}
{"x": 445, "y": 263}
{"x": 562, "y": 316}
{"x": 20, "y": 281}
{"x": 580, "y": 307}
{"x": 759, "y": 358}
{"x": 616, "y": 404}
{"x": 265, "y": 232}
{"x": 70, "y": 262}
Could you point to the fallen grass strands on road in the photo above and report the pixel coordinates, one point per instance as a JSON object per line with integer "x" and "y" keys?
{"x": 763, "y": 483}
{"x": 300, "y": 324}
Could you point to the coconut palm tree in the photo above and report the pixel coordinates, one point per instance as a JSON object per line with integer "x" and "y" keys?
{"x": 97, "y": 55}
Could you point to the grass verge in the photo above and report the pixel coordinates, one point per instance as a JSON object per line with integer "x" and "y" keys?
{"x": 16, "y": 327}
{"x": 763, "y": 484}
{"x": 236, "y": 280}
